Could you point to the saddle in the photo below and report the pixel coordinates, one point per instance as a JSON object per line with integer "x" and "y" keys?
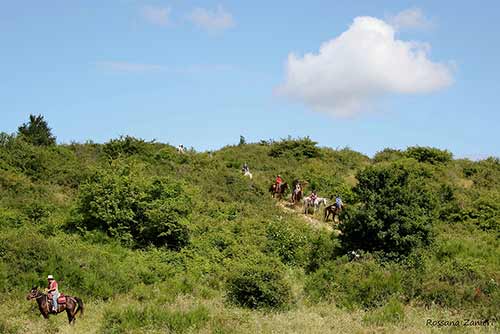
{"x": 61, "y": 299}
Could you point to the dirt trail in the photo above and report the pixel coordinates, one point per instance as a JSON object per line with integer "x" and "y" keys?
{"x": 315, "y": 223}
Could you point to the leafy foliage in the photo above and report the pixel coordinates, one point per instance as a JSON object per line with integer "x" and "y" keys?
{"x": 295, "y": 148}
{"x": 429, "y": 154}
{"x": 135, "y": 210}
{"x": 154, "y": 233}
{"x": 260, "y": 284}
{"x": 37, "y": 132}
{"x": 396, "y": 210}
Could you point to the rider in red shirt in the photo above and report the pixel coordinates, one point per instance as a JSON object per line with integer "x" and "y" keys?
{"x": 279, "y": 181}
{"x": 53, "y": 290}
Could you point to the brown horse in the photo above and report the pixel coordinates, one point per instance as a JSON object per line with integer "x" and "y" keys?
{"x": 72, "y": 306}
{"x": 332, "y": 210}
{"x": 278, "y": 192}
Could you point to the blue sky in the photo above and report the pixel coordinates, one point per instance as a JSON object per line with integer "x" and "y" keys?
{"x": 204, "y": 73}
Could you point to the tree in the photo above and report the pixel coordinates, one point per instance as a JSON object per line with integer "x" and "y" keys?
{"x": 37, "y": 132}
{"x": 396, "y": 210}
{"x": 242, "y": 141}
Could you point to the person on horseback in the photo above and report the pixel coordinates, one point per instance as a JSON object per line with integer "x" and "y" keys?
{"x": 298, "y": 188}
{"x": 245, "y": 168}
{"x": 313, "y": 196}
{"x": 53, "y": 291}
{"x": 338, "y": 202}
{"x": 279, "y": 181}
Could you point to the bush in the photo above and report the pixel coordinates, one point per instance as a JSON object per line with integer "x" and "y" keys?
{"x": 137, "y": 210}
{"x": 323, "y": 249}
{"x": 295, "y": 148}
{"x": 287, "y": 242}
{"x": 429, "y": 154}
{"x": 124, "y": 146}
{"x": 396, "y": 210}
{"x": 388, "y": 154}
{"x": 259, "y": 285}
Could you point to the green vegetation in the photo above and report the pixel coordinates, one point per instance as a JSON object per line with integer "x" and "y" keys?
{"x": 158, "y": 241}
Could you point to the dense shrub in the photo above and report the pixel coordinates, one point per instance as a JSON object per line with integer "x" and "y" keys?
{"x": 137, "y": 210}
{"x": 388, "y": 154}
{"x": 259, "y": 284}
{"x": 124, "y": 146}
{"x": 295, "y": 148}
{"x": 396, "y": 210}
{"x": 323, "y": 249}
{"x": 288, "y": 242}
{"x": 429, "y": 154}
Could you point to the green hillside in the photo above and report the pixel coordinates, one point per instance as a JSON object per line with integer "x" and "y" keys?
{"x": 158, "y": 241}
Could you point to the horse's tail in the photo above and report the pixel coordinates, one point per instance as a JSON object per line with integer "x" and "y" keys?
{"x": 80, "y": 305}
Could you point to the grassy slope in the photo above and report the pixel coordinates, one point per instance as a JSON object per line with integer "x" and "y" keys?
{"x": 157, "y": 290}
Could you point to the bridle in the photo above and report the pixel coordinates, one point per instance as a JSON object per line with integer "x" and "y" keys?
{"x": 37, "y": 296}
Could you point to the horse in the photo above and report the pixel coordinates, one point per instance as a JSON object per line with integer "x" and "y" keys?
{"x": 308, "y": 202}
{"x": 332, "y": 210}
{"x": 273, "y": 189}
{"x": 72, "y": 305}
{"x": 247, "y": 173}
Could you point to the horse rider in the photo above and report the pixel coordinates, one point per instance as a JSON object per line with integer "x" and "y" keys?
{"x": 338, "y": 202}
{"x": 245, "y": 168}
{"x": 313, "y": 196}
{"x": 279, "y": 181}
{"x": 298, "y": 188}
{"x": 53, "y": 291}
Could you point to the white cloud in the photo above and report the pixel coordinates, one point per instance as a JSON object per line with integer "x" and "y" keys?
{"x": 156, "y": 15}
{"x": 412, "y": 18}
{"x": 216, "y": 20}
{"x": 364, "y": 63}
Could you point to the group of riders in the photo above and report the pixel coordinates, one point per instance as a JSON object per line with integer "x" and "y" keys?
{"x": 297, "y": 192}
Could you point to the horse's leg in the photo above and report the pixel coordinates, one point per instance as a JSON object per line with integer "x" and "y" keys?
{"x": 70, "y": 308}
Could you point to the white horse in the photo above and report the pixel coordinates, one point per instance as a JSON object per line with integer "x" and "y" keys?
{"x": 308, "y": 202}
{"x": 320, "y": 201}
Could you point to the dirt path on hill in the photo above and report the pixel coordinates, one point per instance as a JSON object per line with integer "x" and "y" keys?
{"x": 315, "y": 223}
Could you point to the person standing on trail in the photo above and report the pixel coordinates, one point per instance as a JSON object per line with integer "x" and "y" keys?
{"x": 53, "y": 291}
